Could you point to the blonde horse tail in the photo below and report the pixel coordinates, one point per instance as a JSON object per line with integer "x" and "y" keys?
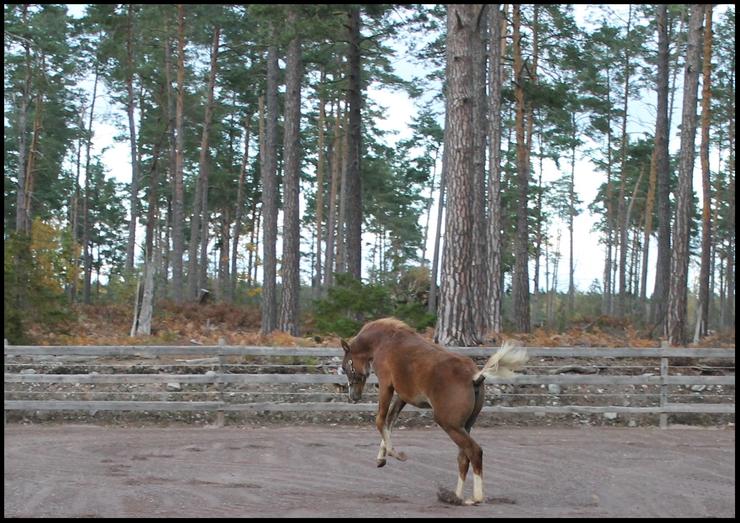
{"x": 503, "y": 363}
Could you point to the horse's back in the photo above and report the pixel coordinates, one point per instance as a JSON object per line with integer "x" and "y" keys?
{"x": 423, "y": 372}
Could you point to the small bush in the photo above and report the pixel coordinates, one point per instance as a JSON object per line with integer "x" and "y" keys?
{"x": 36, "y": 270}
{"x": 351, "y": 303}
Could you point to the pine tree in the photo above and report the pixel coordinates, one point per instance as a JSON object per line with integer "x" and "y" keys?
{"x": 291, "y": 179}
{"x": 354, "y": 147}
{"x": 706, "y": 232}
{"x": 497, "y": 31}
{"x": 520, "y": 286}
{"x": 268, "y": 169}
{"x": 455, "y": 323}
{"x": 677, "y": 298}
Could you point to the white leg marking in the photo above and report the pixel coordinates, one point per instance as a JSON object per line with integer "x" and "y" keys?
{"x": 477, "y": 488}
{"x": 389, "y": 450}
{"x": 459, "y": 489}
{"x": 381, "y": 452}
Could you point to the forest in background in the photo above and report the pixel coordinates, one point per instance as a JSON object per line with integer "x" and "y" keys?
{"x": 234, "y": 115}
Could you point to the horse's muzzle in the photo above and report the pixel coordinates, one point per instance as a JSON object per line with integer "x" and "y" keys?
{"x": 354, "y": 396}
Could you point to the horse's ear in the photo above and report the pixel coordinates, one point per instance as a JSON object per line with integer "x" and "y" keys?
{"x": 345, "y": 346}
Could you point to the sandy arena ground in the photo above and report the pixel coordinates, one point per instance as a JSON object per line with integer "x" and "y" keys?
{"x": 329, "y": 471}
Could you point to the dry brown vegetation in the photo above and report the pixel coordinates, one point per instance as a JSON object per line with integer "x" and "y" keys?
{"x": 239, "y": 325}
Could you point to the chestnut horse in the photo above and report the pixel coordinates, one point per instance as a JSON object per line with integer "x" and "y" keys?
{"x": 425, "y": 375}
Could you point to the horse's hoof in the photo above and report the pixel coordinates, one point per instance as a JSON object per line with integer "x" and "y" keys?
{"x": 381, "y": 463}
{"x": 401, "y": 456}
{"x": 471, "y": 502}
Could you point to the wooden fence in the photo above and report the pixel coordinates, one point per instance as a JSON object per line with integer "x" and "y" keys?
{"x": 222, "y": 374}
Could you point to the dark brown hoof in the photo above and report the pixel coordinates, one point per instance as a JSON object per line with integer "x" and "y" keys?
{"x": 381, "y": 463}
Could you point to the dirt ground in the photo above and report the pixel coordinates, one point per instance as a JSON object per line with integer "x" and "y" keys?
{"x": 329, "y": 471}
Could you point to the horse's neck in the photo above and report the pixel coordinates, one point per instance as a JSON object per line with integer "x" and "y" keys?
{"x": 369, "y": 352}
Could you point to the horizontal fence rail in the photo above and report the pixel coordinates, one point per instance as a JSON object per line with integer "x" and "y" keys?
{"x": 341, "y": 380}
{"x": 213, "y": 406}
{"x": 248, "y": 350}
{"x": 219, "y": 376}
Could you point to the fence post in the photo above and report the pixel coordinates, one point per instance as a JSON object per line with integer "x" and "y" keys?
{"x": 5, "y": 414}
{"x": 663, "y": 388}
{"x": 220, "y": 420}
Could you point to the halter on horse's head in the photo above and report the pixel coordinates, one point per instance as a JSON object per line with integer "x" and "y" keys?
{"x": 357, "y": 368}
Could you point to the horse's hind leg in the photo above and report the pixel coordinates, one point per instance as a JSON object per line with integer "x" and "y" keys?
{"x": 397, "y": 404}
{"x": 385, "y": 425}
{"x": 463, "y": 463}
{"x": 470, "y": 453}
{"x": 480, "y": 394}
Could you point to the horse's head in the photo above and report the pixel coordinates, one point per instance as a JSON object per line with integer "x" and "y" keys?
{"x": 356, "y": 366}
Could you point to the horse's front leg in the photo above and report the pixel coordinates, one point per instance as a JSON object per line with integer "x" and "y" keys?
{"x": 387, "y": 412}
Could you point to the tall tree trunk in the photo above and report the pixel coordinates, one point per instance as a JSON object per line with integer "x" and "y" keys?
{"x": 167, "y": 255}
{"x": 538, "y": 234}
{"x": 441, "y": 204}
{"x": 428, "y": 210}
{"x": 706, "y": 231}
{"x": 676, "y": 68}
{"x": 662, "y": 166}
{"x": 354, "y": 149}
{"x": 548, "y": 301}
{"x": 455, "y": 323}
{"x": 86, "y": 254}
{"x": 239, "y": 208}
{"x": 497, "y": 24}
{"x": 553, "y": 290}
{"x": 253, "y": 261}
{"x": 648, "y": 230}
{"x": 204, "y": 165}
{"x": 74, "y": 213}
{"x": 291, "y": 181}
{"x": 627, "y": 218}
{"x": 520, "y": 287}
{"x": 529, "y": 137}
{"x": 636, "y": 260}
{"x": 178, "y": 214}
{"x": 224, "y": 285}
{"x": 331, "y": 219}
{"x": 342, "y": 205}
{"x": 728, "y": 310}
{"x": 571, "y": 218}
{"x": 21, "y": 212}
{"x": 607, "y": 303}
{"x": 144, "y": 319}
{"x": 165, "y": 230}
{"x": 130, "y": 246}
{"x": 252, "y": 248}
{"x": 320, "y": 168}
{"x": 255, "y": 241}
{"x": 479, "y": 266}
{"x": 677, "y": 296}
{"x": 197, "y": 275}
{"x": 33, "y": 153}
{"x": 621, "y": 221}
{"x": 270, "y": 195}
{"x": 729, "y": 306}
